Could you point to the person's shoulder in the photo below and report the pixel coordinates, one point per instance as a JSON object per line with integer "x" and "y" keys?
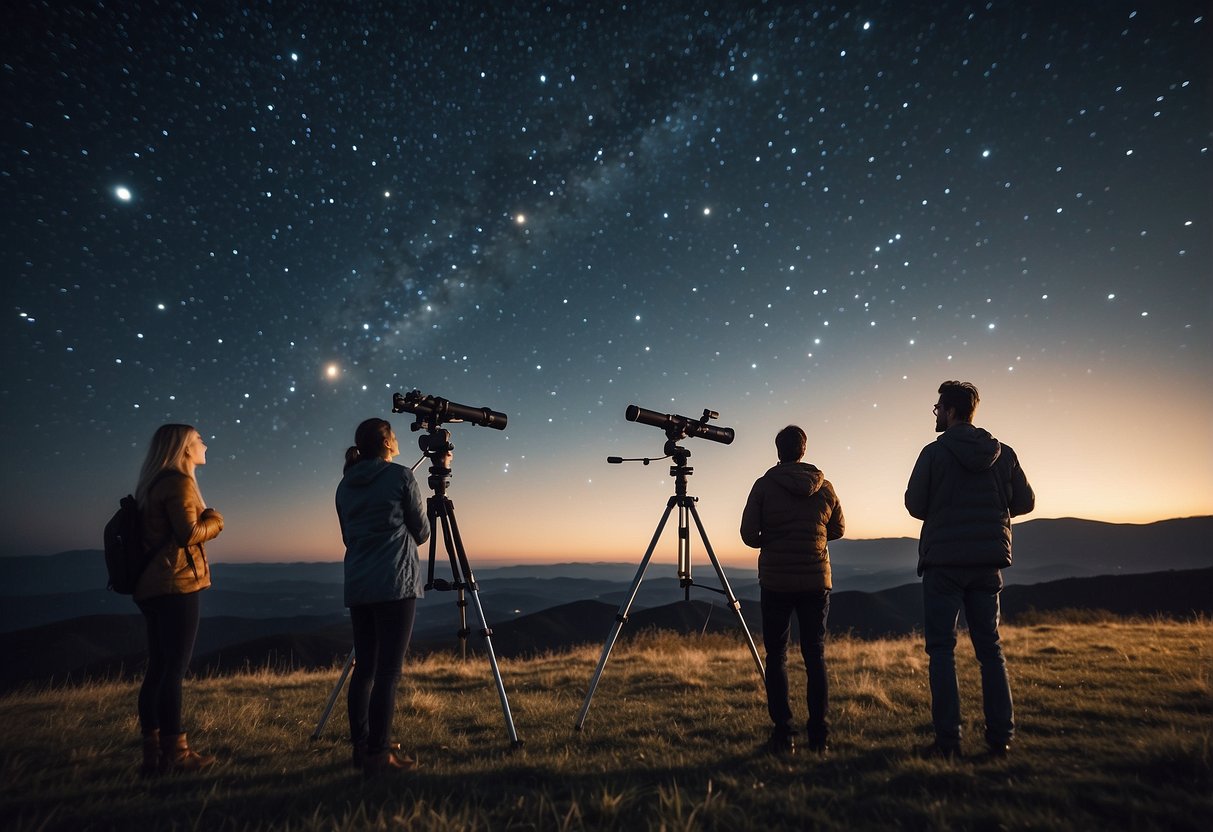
{"x": 1007, "y": 455}
{"x": 760, "y": 483}
{"x": 170, "y": 481}
{"x": 768, "y": 476}
{"x": 1006, "y": 449}
{"x": 401, "y": 472}
{"x": 931, "y": 447}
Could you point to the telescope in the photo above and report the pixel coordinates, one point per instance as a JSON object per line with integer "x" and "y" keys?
{"x": 432, "y": 411}
{"x": 678, "y": 427}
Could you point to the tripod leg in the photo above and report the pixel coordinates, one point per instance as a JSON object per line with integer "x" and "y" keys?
{"x": 728, "y": 591}
{"x": 450, "y": 537}
{"x": 621, "y": 617}
{"x": 466, "y": 577}
{"x": 328, "y": 708}
{"x": 488, "y": 646}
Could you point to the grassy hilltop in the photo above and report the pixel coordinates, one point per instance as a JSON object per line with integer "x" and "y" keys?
{"x": 1115, "y": 725}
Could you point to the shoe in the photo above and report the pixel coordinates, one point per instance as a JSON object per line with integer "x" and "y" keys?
{"x": 940, "y": 751}
{"x": 780, "y": 743}
{"x": 818, "y": 745}
{"x": 177, "y": 756}
{"x": 999, "y": 750}
{"x": 358, "y": 756}
{"x": 387, "y": 761}
{"x": 151, "y": 754}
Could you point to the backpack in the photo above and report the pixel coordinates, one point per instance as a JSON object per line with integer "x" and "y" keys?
{"x": 125, "y": 555}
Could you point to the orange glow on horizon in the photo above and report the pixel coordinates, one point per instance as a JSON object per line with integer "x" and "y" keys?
{"x": 1086, "y": 454}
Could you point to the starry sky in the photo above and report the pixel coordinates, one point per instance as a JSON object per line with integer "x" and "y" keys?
{"x": 264, "y": 219}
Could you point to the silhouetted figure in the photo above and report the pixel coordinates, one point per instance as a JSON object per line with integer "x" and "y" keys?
{"x": 965, "y": 487}
{"x": 382, "y": 522}
{"x": 790, "y": 516}
{"x": 176, "y": 524}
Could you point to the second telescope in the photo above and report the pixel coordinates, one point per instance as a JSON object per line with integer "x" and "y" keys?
{"x": 677, "y": 426}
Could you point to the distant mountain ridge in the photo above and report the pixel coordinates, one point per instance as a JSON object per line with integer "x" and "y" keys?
{"x": 107, "y": 645}
{"x": 43, "y": 589}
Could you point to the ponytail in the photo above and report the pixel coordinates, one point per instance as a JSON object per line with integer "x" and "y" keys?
{"x": 369, "y": 441}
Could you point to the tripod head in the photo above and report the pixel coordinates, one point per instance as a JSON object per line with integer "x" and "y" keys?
{"x": 436, "y": 446}
{"x": 679, "y": 470}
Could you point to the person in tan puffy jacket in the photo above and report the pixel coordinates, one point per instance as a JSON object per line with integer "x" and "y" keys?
{"x": 176, "y": 525}
{"x": 790, "y": 516}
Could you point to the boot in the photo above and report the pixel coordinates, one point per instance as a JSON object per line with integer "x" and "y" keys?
{"x": 151, "y": 754}
{"x": 176, "y": 755}
{"x": 387, "y": 761}
{"x": 358, "y": 756}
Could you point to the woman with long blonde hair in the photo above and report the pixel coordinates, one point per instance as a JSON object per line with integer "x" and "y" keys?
{"x": 176, "y": 524}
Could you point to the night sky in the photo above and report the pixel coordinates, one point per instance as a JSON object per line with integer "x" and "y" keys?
{"x": 265, "y": 218}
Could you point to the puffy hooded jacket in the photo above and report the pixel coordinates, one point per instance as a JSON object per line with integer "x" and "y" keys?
{"x": 383, "y": 520}
{"x": 966, "y": 487}
{"x": 176, "y": 525}
{"x": 790, "y": 516}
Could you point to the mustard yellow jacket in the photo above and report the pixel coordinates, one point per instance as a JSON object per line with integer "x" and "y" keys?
{"x": 176, "y": 524}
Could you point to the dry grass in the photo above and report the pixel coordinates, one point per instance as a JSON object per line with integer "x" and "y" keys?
{"x": 1115, "y": 726}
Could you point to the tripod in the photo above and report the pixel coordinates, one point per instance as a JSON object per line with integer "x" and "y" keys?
{"x": 686, "y": 508}
{"x": 441, "y": 513}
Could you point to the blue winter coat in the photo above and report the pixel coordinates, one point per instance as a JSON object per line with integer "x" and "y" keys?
{"x": 965, "y": 488}
{"x": 383, "y": 521}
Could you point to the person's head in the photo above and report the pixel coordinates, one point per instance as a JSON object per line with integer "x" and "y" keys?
{"x": 173, "y": 448}
{"x": 957, "y": 403}
{"x": 790, "y": 444}
{"x": 373, "y": 439}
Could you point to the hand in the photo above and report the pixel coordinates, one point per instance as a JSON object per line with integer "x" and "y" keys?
{"x": 210, "y": 515}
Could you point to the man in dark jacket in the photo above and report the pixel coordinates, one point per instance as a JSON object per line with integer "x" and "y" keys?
{"x": 791, "y": 514}
{"x": 965, "y": 487}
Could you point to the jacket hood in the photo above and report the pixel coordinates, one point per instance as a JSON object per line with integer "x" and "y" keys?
{"x": 362, "y": 473}
{"x": 974, "y": 448}
{"x": 798, "y": 478}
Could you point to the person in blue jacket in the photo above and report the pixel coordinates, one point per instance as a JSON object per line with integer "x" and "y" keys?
{"x": 383, "y": 520}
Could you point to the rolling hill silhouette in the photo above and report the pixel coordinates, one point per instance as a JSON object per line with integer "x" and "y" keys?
{"x": 108, "y": 645}
{"x": 43, "y": 589}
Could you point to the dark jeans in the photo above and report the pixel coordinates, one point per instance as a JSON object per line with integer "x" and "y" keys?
{"x": 381, "y": 638}
{"x": 172, "y": 627}
{"x": 945, "y": 591}
{"x": 811, "y": 610}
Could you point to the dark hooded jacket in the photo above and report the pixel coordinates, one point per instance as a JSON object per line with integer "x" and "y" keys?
{"x": 383, "y": 520}
{"x": 966, "y": 487}
{"x": 791, "y": 514}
